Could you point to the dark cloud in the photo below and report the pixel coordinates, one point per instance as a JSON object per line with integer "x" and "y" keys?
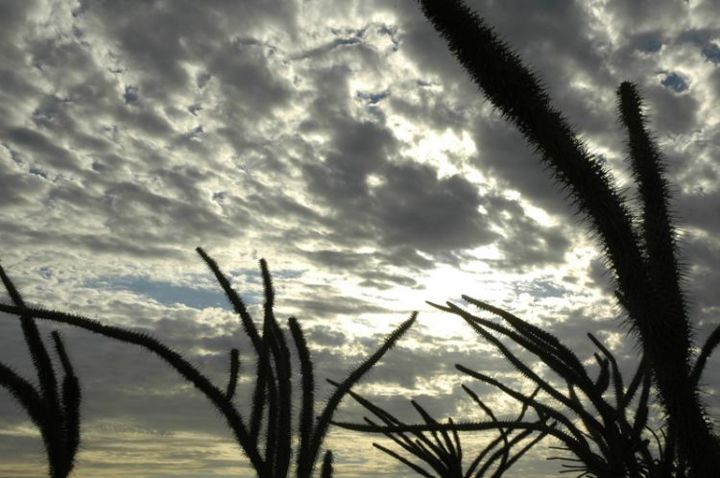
{"x": 505, "y": 154}
{"x": 671, "y": 113}
{"x": 698, "y": 209}
{"x": 330, "y": 303}
{"x": 19, "y": 189}
{"x": 631, "y": 15}
{"x": 698, "y": 37}
{"x": 415, "y": 207}
{"x": 242, "y": 69}
{"x": 409, "y": 206}
{"x": 155, "y": 39}
{"x": 711, "y": 51}
{"x": 383, "y": 280}
{"x": 646, "y": 42}
{"x": 13, "y": 14}
{"x": 360, "y": 149}
{"x": 701, "y": 254}
{"x": 412, "y": 207}
{"x": 40, "y": 148}
{"x": 416, "y": 99}
{"x": 525, "y": 242}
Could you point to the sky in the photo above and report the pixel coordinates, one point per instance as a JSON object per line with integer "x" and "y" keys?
{"x": 342, "y": 142}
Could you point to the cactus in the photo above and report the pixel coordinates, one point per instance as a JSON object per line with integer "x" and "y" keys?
{"x": 267, "y": 438}
{"x": 610, "y": 440}
{"x": 55, "y": 413}
{"x": 644, "y": 263}
{"x": 648, "y": 281}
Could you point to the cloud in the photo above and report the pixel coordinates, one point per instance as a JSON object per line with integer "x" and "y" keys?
{"x": 344, "y": 143}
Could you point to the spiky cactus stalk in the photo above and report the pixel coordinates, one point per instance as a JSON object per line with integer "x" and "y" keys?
{"x": 644, "y": 264}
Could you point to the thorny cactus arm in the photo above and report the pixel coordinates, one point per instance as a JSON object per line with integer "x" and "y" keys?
{"x": 355, "y": 376}
{"x": 710, "y": 344}
{"x": 658, "y": 232}
{"x": 70, "y": 404}
{"x": 279, "y": 464}
{"x": 327, "y": 465}
{"x": 307, "y": 406}
{"x": 234, "y": 370}
{"x": 24, "y": 392}
{"x": 264, "y": 372}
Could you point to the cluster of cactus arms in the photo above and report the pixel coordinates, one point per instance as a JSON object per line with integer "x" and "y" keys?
{"x": 266, "y": 438}
{"x": 645, "y": 270}
{"x": 445, "y": 456}
{"x": 54, "y": 410}
{"x": 601, "y": 423}
{"x": 643, "y": 261}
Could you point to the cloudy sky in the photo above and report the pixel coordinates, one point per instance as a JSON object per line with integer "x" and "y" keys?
{"x": 343, "y": 143}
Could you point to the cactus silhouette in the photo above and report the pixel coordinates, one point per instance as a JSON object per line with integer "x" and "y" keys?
{"x": 267, "y": 439}
{"x": 55, "y": 413}
{"x": 444, "y": 454}
{"x": 644, "y": 263}
{"x": 611, "y": 439}
{"x": 600, "y": 419}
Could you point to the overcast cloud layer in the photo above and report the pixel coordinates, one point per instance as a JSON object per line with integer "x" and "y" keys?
{"x": 343, "y": 143}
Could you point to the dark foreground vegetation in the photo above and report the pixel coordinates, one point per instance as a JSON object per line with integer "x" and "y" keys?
{"x": 600, "y": 419}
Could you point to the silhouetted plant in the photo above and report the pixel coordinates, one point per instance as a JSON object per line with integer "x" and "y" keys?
{"x": 605, "y": 443}
{"x": 327, "y": 466}
{"x": 644, "y": 263}
{"x": 602, "y": 438}
{"x": 55, "y": 412}
{"x": 445, "y": 456}
{"x": 270, "y": 422}
{"x": 610, "y": 443}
